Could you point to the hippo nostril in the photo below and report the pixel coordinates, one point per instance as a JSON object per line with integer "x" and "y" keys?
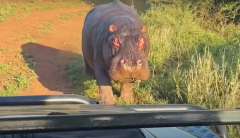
{"x": 139, "y": 61}
{"x": 123, "y": 61}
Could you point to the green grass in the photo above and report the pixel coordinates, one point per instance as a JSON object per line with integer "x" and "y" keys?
{"x": 66, "y": 16}
{"x": 29, "y": 60}
{"x": 18, "y": 82}
{"x": 24, "y": 15}
{"x": 45, "y": 27}
{"x": 190, "y": 63}
{"x": 3, "y": 48}
{"x": 69, "y": 16}
{"x": 5, "y": 11}
{"x": 82, "y": 12}
{"x": 15, "y": 77}
{"x": 26, "y": 37}
{"x": 21, "y": 9}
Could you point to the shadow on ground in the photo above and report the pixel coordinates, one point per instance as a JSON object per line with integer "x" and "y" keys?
{"x": 50, "y": 65}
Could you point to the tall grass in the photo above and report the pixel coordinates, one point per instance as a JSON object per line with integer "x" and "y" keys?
{"x": 193, "y": 64}
{"x": 190, "y": 62}
{"x": 176, "y": 38}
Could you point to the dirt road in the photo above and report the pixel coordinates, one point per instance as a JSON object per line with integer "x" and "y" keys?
{"x": 57, "y": 37}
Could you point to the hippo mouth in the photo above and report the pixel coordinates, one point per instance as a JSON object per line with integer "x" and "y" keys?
{"x": 130, "y": 75}
{"x": 125, "y": 71}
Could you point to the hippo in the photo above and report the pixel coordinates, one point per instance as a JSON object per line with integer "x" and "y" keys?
{"x": 115, "y": 47}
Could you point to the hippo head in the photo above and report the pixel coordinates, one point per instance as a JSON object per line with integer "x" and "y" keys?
{"x": 128, "y": 52}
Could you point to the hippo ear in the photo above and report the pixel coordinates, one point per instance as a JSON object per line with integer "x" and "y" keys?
{"x": 112, "y": 28}
{"x": 143, "y": 29}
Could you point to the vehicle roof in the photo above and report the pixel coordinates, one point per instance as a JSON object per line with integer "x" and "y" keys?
{"x": 30, "y": 113}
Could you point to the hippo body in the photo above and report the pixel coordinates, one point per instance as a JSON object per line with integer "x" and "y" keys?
{"x": 115, "y": 46}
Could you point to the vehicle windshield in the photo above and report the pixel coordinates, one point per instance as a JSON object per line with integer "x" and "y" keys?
{"x": 122, "y": 52}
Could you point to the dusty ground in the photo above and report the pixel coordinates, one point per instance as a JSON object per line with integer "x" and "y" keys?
{"x": 55, "y": 39}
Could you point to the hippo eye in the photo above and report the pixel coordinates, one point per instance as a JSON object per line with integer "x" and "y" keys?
{"x": 141, "y": 42}
{"x": 116, "y": 43}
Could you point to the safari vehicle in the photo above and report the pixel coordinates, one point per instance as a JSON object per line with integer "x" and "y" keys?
{"x": 75, "y": 116}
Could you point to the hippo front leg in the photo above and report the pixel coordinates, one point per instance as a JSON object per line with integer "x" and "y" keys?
{"x": 126, "y": 91}
{"x": 104, "y": 86}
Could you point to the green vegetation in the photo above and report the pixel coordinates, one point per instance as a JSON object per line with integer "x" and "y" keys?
{"x": 45, "y": 27}
{"x": 25, "y": 37}
{"x": 68, "y": 16}
{"x": 14, "y": 77}
{"x": 21, "y": 8}
{"x": 193, "y": 59}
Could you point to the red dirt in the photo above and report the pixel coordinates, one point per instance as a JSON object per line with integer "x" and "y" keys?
{"x": 52, "y": 51}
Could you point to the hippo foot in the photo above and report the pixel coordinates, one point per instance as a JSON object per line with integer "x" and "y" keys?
{"x": 127, "y": 97}
{"x": 126, "y": 92}
{"x": 108, "y": 100}
{"x": 106, "y": 95}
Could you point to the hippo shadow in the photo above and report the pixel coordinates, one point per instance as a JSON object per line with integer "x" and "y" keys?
{"x": 57, "y": 70}
{"x": 49, "y": 64}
